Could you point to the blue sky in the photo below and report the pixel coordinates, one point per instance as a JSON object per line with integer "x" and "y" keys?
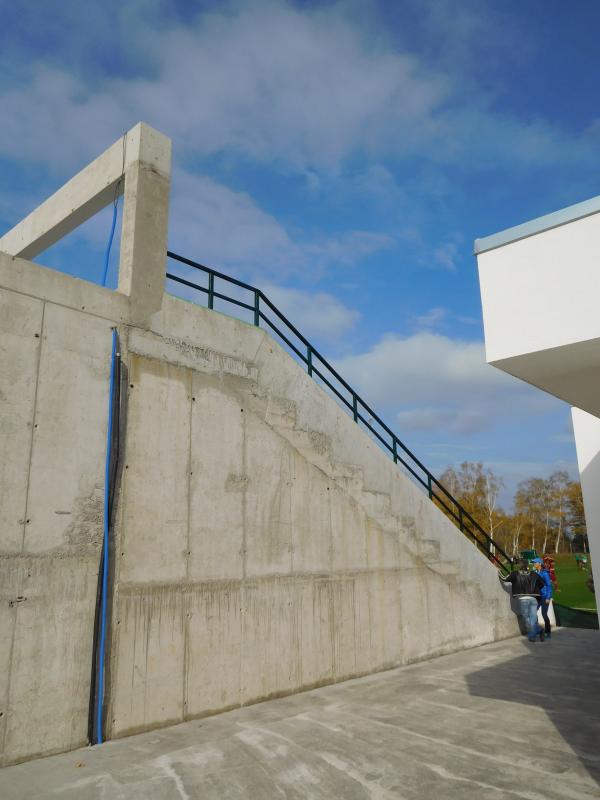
{"x": 343, "y": 156}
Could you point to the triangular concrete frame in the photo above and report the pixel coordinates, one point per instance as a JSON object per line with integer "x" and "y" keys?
{"x": 138, "y": 166}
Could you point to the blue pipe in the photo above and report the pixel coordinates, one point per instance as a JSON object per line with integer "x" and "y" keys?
{"x": 110, "y": 241}
{"x": 104, "y": 592}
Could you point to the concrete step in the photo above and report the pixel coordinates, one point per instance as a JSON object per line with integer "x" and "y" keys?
{"x": 313, "y": 445}
{"x": 448, "y": 569}
{"x": 316, "y": 447}
{"x": 350, "y": 477}
{"x": 378, "y": 506}
{"x": 429, "y": 549}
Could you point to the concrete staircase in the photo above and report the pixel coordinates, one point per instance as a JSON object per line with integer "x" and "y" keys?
{"x": 436, "y": 555}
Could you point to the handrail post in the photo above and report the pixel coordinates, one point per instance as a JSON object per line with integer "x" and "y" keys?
{"x": 429, "y": 487}
{"x": 309, "y": 359}
{"x": 211, "y": 289}
{"x": 461, "y": 524}
{"x": 355, "y": 406}
{"x": 257, "y": 308}
{"x": 395, "y": 450}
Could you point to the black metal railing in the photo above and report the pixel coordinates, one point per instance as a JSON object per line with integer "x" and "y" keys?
{"x": 258, "y": 307}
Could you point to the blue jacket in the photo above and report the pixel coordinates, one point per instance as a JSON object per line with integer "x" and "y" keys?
{"x": 548, "y": 589}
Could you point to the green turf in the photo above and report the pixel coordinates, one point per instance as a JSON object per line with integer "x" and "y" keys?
{"x": 571, "y": 581}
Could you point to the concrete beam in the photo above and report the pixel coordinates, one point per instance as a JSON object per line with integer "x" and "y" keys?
{"x": 138, "y": 165}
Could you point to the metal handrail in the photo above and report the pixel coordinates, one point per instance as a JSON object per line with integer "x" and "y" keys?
{"x": 355, "y": 404}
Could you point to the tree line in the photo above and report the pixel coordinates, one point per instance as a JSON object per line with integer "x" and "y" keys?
{"x": 547, "y": 513}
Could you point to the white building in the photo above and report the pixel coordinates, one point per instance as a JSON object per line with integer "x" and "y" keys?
{"x": 540, "y": 291}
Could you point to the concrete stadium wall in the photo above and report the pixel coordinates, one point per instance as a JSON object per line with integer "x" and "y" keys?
{"x": 263, "y": 543}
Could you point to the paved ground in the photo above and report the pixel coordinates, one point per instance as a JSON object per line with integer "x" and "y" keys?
{"x": 509, "y": 720}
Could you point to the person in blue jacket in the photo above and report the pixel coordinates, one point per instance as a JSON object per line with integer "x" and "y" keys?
{"x": 546, "y": 593}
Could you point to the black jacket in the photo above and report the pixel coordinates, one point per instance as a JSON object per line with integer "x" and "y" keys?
{"x": 524, "y": 583}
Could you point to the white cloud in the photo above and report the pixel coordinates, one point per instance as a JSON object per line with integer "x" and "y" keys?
{"x": 58, "y": 121}
{"x": 455, "y": 421}
{"x": 515, "y": 471}
{"x": 304, "y": 87}
{"x": 466, "y": 320}
{"x": 348, "y": 247}
{"x": 424, "y": 419}
{"x": 445, "y": 256}
{"x": 308, "y": 89}
{"x": 220, "y": 227}
{"x": 438, "y": 319}
{"x": 434, "y": 382}
{"x": 477, "y": 135}
{"x": 225, "y": 228}
{"x": 430, "y": 319}
{"x": 315, "y": 314}
{"x": 268, "y": 81}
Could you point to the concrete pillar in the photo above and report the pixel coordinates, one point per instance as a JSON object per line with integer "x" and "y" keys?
{"x": 143, "y": 257}
{"x": 587, "y": 442}
{"x": 138, "y": 165}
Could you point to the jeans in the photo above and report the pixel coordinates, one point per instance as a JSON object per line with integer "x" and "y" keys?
{"x": 543, "y": 606}
{"x": 528, "y": 610}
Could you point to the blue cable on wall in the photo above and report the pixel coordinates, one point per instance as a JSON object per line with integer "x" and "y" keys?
{"x": 110, "y": 240}
{"x": 105, "y": 544}
{"x": 115, "y": 208}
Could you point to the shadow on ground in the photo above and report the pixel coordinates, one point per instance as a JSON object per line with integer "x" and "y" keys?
{"x": 562, "y": 677}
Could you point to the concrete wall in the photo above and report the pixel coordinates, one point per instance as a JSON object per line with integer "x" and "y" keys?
{"x": 53, "y": 373}
{"x": 263, "y": 543}
{"x": 586, "y": 428}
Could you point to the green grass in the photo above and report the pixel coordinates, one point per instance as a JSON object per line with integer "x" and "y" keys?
{"x": 572, "y": 590}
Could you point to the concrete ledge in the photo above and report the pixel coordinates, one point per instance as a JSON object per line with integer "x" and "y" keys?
{"x": 32, "y": 280}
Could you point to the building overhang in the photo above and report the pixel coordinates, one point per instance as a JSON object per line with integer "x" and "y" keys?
{"x": 540, "y": 293}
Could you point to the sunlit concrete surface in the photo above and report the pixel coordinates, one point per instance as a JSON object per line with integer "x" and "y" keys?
{"x": 506, "y": 720}
{"x": 263, "y": 543}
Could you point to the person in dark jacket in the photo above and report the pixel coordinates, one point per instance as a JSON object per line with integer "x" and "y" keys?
{"x": 526, "y": 591}
{"x": 546, "y": 595}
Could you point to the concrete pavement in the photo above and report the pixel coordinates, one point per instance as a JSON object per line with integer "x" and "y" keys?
{"x": 507, "y": 720}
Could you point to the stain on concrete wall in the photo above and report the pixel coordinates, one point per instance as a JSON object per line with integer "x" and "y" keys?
{"x": 54, "y": 377}
{"x": 263, "y": 543}
{"x": 254, "y": 564}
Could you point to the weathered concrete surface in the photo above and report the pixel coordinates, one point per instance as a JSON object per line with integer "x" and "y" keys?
{"x": 266, "y": 545}
{"x": 263, "y": 545}
{"x": 143, "y": 257}
{"x": 53, "y": 385}
{"x": 507, "y": 720}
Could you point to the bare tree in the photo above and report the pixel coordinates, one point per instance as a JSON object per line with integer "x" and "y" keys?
{"x": 559, "y": 482}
